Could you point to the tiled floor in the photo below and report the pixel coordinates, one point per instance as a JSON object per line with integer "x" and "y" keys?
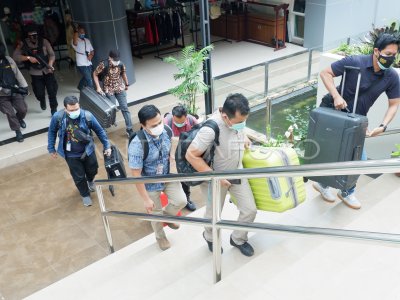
{"x": 45, "y": 231}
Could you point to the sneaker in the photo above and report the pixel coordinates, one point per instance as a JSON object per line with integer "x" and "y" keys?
{"x": 210, "y": 244}
{"x": 19, "y": 136}
{"x": 22, "y": 123}
{"x": 350, "y": 200}
{"x": 173, "y": 226}
{"x": 245, "y": 248}
{"x": 87, "y": 201}
{"x": 190, "y": 205}
{"x": 129, "y": 132}
{"x": 325, "y": 192}
{"x": 91, "y": 186}
{"x": 163, "y": 243}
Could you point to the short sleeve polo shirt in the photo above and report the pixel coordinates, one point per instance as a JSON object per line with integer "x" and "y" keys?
{"x": 388, "y": 82}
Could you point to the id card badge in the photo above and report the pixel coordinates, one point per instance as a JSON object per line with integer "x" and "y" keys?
{"x": 160, "y": 169}
{"x": 68, "y": 147}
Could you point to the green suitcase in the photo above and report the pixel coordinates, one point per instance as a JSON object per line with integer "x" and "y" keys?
{"x": 276, "y": 194}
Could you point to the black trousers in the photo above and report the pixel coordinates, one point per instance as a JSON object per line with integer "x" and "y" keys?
{"x": 41, "y": 83}
{"x": 15, "y": 108}
{"x": 82, "y": 171}
{"x": 186, "y": 189}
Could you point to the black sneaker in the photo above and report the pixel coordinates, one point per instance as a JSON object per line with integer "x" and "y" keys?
{"x": 19, "y": 136}
{"x": 210, "y": 245}
{"x": 190, "y": 205}
{"x": 22, "y": 123}
{"x": 245, "y": 248}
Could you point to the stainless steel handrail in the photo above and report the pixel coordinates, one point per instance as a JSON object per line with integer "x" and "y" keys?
{"x": 216, "y": 223}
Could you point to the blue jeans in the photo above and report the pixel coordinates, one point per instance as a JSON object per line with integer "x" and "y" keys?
{"x": 123, "y": 106}
{"x": 351, "y": 190}
{"x": 86, "y": 79}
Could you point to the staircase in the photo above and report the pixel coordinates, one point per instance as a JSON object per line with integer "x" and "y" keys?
{"x": 285, "y": 266}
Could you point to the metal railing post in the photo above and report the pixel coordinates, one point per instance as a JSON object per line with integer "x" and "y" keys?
{"x": 216, "y": 232}
{"x": 309, "y": 64}
{"x": 268, "y": 118}
{"x": 104, "y": 217}
{"x": 266, "y": 71}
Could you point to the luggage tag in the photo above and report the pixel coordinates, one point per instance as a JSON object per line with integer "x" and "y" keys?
{"x": 68, "y": 147}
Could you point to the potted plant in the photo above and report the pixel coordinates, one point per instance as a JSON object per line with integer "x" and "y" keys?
{"x": 396, "y": 154}
{"x": 190, "y": 69}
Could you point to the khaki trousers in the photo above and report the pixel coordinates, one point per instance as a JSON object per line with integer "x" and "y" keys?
{"x": 245, "y": 204}
{"x": 176, "y": 201}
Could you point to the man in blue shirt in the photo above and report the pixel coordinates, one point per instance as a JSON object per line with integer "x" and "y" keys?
{"x": 155, "y": 163}
{"x": 377, "y": 77}
{"x": 73, "y": 127}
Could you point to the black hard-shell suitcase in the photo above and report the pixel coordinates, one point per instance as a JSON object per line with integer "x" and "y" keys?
{"x": 336, "y": 136}
{"x": 100, "y": 106}
{"x": 114, "y": 165}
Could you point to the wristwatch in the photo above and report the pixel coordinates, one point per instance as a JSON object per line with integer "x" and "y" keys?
{"x": 384, "y": 127}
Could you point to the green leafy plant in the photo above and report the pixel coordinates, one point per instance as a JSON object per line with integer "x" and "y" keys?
{"x": 299, "y": 123}
{"x": 190, "y": 71}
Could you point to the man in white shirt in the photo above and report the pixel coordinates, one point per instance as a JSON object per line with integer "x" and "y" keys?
{"x": 84, "y": 54}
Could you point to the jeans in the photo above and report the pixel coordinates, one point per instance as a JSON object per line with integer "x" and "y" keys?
{"x": 83, "y": 171}
{"x": 351, "y": 190}
{"x": 86, "y": 80}
{"x": 123, "y": 106}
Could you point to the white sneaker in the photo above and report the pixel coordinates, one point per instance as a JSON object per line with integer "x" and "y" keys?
{"x": 325, "y": 192}
{"x": 350, "y": 200}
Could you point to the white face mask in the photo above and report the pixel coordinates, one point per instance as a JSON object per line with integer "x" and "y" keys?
{"x": 115, "y": 63}
{"x": 157, "y": 131}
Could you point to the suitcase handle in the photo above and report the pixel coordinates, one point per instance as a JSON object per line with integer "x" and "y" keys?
{"x": 357, "y": 87}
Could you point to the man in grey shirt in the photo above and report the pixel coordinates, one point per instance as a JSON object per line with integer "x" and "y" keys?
{"x": 13, "y": 88}
{"x": 39, "y": 57}
{"x": 231, "y": 120}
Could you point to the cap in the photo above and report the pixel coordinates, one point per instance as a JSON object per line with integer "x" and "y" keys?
{"x": 114, "y": 54}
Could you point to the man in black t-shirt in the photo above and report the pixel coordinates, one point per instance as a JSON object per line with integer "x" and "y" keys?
{"x": 377, "y": 77}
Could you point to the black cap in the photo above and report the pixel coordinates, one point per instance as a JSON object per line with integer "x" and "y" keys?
{"x": 114, "y": 54}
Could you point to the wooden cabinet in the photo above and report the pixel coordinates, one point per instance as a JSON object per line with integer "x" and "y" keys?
{"x": 261, "y": 28}
{"x": 229, "y": 26}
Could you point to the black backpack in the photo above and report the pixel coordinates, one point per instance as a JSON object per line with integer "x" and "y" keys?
{"x": 143, "y": 140}
{"x": 185, "y": 139}
{"x": 104, "y": 73}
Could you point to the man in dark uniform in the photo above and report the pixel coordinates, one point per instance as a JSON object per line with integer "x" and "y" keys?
{"x": 39, "y": 57}
{"x": 13, "y": 89}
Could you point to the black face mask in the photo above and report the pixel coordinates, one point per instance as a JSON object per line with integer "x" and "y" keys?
{"x": 385, "y": 62}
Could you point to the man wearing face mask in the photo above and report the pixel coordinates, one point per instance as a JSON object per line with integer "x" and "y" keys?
{"x": 377, "y": 77}
{"x": 231, "y": 120}
{"x": 39, "y": 57}
{"x": 156, "y": 163}
{"x": 73, "y": 127}
{"x": 13, "y": 89}
{"x": 115, "y": 83}
{"x": 84, "y": 55}
{"x": 180, "y": 121}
